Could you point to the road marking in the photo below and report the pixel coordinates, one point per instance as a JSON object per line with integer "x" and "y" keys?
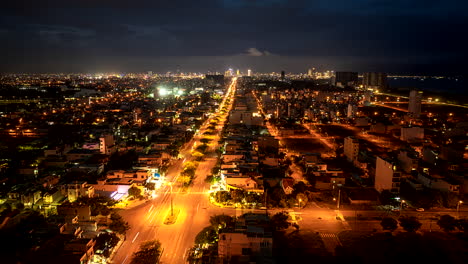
{"x": 125, "y": 259}
{"x": 135, "y": 237}
{"x": 198, "y": 207}
{"x": 151, "y": 208}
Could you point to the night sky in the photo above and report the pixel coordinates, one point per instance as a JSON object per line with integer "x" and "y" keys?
{"x": 399, "y": 36}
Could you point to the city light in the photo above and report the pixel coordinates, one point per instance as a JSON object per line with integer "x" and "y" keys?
{"x": 163, "y": 91}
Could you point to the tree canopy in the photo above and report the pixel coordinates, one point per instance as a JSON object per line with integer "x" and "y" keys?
{"x": 221, "y": 221}
{"x": 447, "y": 223}
{"x": 148, "y": 253}
{"x": 118, "y": 224}
{"x": 389, "y": 223}
{"x": 280, "y": 220}
{"x": 207, "y": 236}
{"x": 410, "y": 223}
{"x": 134, "y": 191}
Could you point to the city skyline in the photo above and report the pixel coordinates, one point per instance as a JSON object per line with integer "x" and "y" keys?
{"x": 420, "y": 37}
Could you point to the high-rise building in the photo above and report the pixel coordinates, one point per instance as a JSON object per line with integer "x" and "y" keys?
{"x": 238, "y": 72}
{"x": 150, "y": 73}
{"x": 387, "y": 175}
{"x": 414, "y": 105}
{"x": 282, "y": 75}
{"x": 374, "y": 80}
{"x": 351, "y": 148}
{"x": 249, "y": 72}
{"x": 343, "y": 79}
{"x": 229, "y": 72}
{"x": 311, "y": 72}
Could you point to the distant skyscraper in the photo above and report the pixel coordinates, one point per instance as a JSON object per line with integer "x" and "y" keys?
{"x": 311, "y": 72}
{"x": 414, "y": 105}
{"x": 229, "y": 72}
{"x": 238, "y": 72}
{"x": 282, "y": 75}
{"x": 249, "y": 72}
{"x": 343, "y": 79}
{"x": 150, "y": 73}
{"x": 374, "y": 80}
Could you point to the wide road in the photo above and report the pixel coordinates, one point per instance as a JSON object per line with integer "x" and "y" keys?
{"x": 147, "y": 220}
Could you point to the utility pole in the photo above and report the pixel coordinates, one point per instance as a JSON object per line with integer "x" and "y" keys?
{"x": 172, "y": 208}
{"x": 458, "y": 208}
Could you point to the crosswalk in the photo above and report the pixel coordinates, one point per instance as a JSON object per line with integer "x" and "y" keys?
{"x": 331, "y": 241}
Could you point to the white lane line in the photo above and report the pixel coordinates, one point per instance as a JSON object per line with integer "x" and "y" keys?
{"x": 151, "y": 208}
{"x": 135, "y": 237}
{"x": 125, "y": 259}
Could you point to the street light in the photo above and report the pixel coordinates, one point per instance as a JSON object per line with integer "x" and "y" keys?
{"x": 401, "y": 206}
{"x": 458, "y": 208}
{"x": 339, "y": 198}
{"x": 172, "y": 208}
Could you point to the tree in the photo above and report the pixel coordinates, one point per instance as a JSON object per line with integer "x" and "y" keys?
{"x": 134, "y": 191}
{"x": 279, "y": 221}
{"x": 222, "y": 196}
{"x": 105, "y": 242}
{"x": 118, "y": 224}
{"x": 462, "y": 225}
{"x": 447, "y": 223}
{"x": 410, "y": 223}
{"x": 237, "y": 195}
{"x": 221, "y": 221}
{"x": 184, "y": 179}
{"x": 207, "y": 236}
{"x": 252, "y": 198}
{"x": 148, "y": 253}
{"x": 302, "y": 199}
{"x": 205, "y": 140}
{"x": 150, "y": 186}
{"x": 198, "y": 155}
{"x": 277, "y": 195}
{"x": 190, "y": 166}
{"x": 389, "y": 223}
{"x": 98, "y": 205}
{"x": 202, "y": 148}
{"x": 450, "y": 199}
{"x": 299, "y": 187}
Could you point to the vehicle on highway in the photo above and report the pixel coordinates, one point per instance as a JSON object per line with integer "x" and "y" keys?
{"x": 420, "y": 209}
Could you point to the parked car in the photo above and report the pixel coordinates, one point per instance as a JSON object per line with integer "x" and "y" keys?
{"x": 420, "y": 209}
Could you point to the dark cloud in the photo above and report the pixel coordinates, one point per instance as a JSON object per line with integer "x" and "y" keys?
{"x": 85, "y": 35}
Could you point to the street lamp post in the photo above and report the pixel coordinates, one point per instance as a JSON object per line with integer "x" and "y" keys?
{"x": 339, "y": 198}
{"x": 172, "y": 208}
{"x": 458, "y": 208}
{"x": 401, "y": 206}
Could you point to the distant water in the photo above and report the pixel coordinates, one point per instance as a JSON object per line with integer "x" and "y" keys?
{"x": 449, "y": 85}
